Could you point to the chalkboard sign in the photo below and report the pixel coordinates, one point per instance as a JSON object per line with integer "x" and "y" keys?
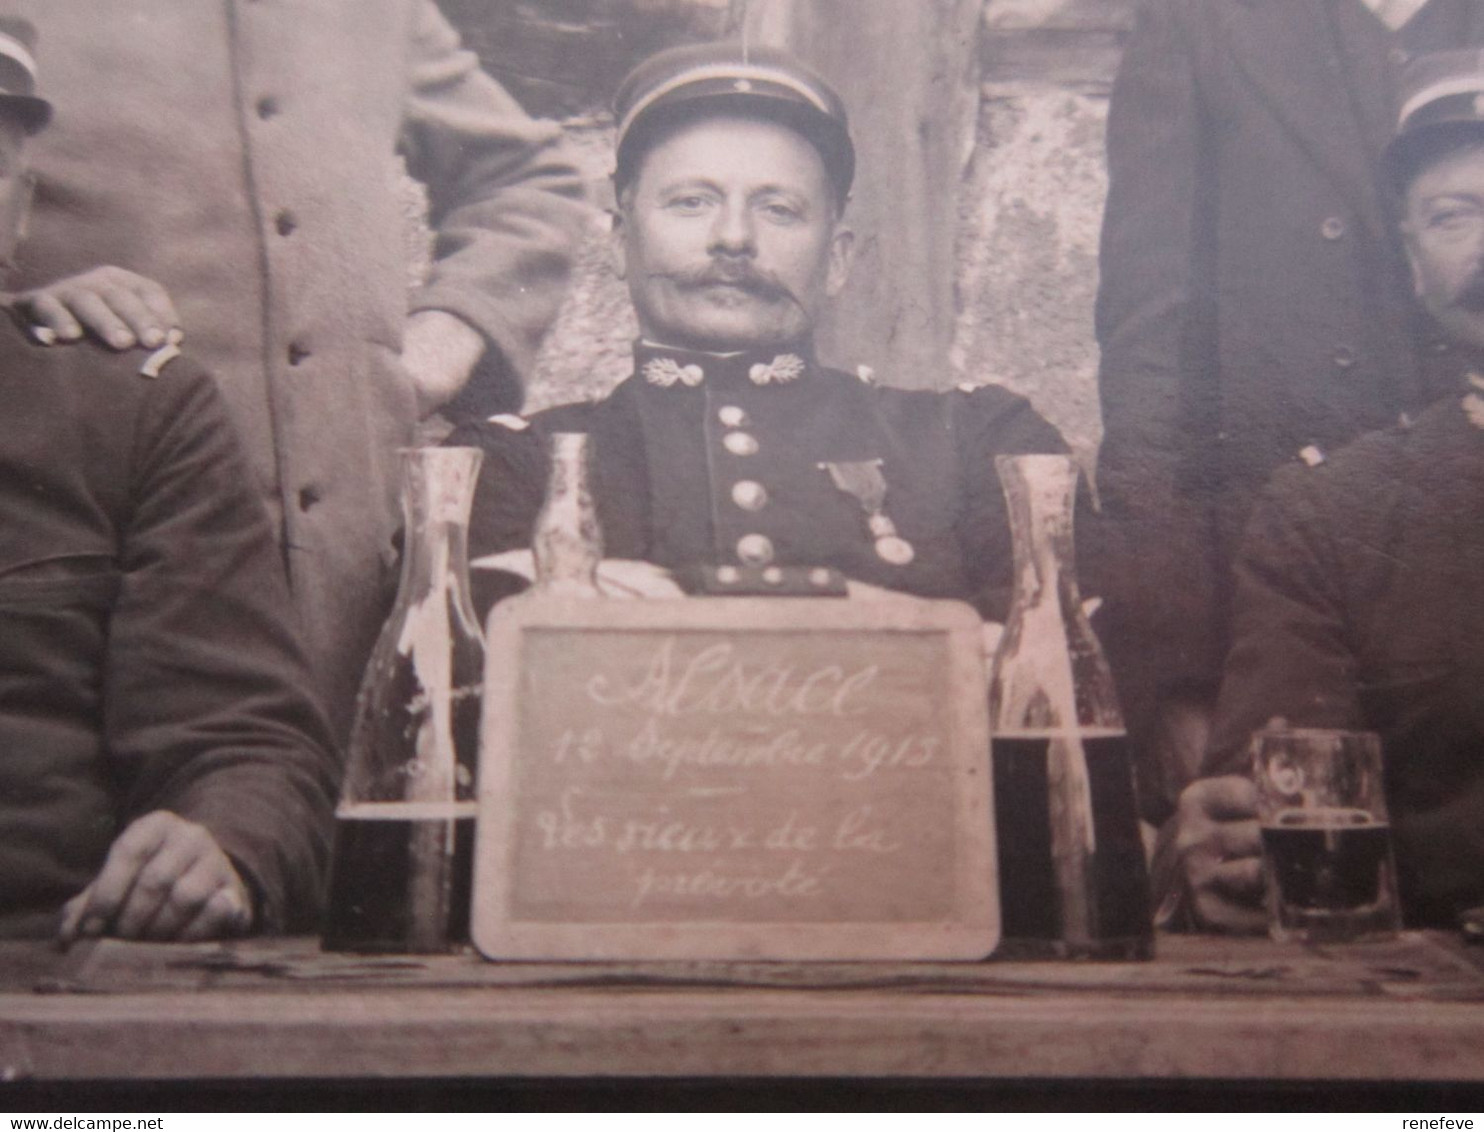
{"x": 743, "y": 778}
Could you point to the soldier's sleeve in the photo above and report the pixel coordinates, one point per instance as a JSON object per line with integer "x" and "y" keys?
{"x": 505, "y": 206}
{"x": 989, "y": 422}
{"x": 207, "y": 709}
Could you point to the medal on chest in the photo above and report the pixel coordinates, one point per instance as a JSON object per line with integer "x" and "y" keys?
{"x": 864, "y": 482}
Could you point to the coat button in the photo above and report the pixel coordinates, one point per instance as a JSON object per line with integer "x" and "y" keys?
{"x": 308, "y": 497}
{"x": 1333, "y": 228}
{"x": 267, "y": 107}
{"x": 740, "y": 443}
{"x": 732, "y": 416}
{"x": 297, "y": 353}
{"x": 755, "y": 550}
{"x": 285, "y": 222}
{"x": 1343, "y": 357}
{"x": 749, "y": 495}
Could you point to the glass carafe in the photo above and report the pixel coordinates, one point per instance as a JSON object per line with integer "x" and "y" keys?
{"x": 1073, "y": 878}
{"x": 404, "y": 829}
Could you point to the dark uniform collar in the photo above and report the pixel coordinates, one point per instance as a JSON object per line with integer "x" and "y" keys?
{"x": 665, "y": 367}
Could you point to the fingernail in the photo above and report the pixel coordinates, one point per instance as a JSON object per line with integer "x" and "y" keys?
{"x": 154, "y": 338}
{"x": 93, "y": 925}
{"x": 43, "y": 335}
{"x": 120, "y": 341}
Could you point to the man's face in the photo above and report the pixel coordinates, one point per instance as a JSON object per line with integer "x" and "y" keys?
{"x": 1444, "y": 230}
{"x": 728, "y": 236}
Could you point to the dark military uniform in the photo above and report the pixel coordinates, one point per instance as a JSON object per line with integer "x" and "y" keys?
{"x": 766, "y": 458}
{"x": 1360, "y": 603}
{"x": 147, "y": 653}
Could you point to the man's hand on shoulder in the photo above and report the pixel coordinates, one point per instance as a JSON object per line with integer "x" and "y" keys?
{"x": 1219, "y": 845}
{"x": 165, "y": 878}
{"x": 118, "y": 307}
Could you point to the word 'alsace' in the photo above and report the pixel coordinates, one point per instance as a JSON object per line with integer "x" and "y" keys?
{"x": 715, "y": 682}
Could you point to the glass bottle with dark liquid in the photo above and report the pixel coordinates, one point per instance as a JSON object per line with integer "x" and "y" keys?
{"x": 1073, "y": 879}
{"x": 567, "y": 542}
{"x": 400, "y": 877}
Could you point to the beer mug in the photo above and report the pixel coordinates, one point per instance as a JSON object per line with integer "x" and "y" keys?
{"x": 1326, "y": 837}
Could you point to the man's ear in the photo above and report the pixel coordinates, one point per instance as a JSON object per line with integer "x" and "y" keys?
{"x": 15, "y": 217}
{"x": 1409, "y": 243}
{"x": 842, "y": 254}
{"x": 24, "y": 208}
{"x": 617, "y": 253}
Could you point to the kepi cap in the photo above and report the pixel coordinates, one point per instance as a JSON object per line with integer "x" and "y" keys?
{"x": 683, "y": 83}
{"x": 1442, "y": 107}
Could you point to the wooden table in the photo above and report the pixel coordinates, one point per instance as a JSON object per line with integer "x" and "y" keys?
{"x": 1412, "y": 1010}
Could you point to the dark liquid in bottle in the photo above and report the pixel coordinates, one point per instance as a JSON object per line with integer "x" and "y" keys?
{"x": 1328, "y": 865}
{"x": 399, "y": 884}
{"x": 1117, "y": 879}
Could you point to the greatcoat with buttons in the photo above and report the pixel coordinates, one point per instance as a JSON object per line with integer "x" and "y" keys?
{"x": 699, "y": 460}
{"x": 244, "y": 154}
{"x": 1254, "y": 303}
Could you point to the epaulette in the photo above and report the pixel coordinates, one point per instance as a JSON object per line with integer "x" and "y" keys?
{"x": 1312, "y": 455}
{"x": 866, "y": 374}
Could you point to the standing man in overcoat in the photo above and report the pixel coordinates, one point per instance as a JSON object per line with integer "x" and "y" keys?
{"x": 244, "y": 155}
{"x": 1255, "y": 310}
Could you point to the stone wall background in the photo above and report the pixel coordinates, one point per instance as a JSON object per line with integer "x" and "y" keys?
{"x": 980, "y": 125}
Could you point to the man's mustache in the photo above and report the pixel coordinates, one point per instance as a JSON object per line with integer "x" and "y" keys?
{"x": 741, "y": 275}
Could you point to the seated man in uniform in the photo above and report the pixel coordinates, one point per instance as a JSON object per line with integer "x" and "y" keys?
{"x": 162, "y": 775}
{"x": 1358, "y": 587}
{"x": 730, "y": 446}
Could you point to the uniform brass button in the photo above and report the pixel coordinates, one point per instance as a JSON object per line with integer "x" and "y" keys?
{"x": 749, "y": 495}
{"x": 728, "y": 575}
{"x": 1333, "y": 228}
{"x": 731, "y": 416}
{"x": 740, "y": 443}
{"x": 285, "y": 222}
{"x": 755, "y": 550}
{"x": 773, "y": 576}
{"x": 819, "y": 576}
{"x": 1343, "y": 357}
